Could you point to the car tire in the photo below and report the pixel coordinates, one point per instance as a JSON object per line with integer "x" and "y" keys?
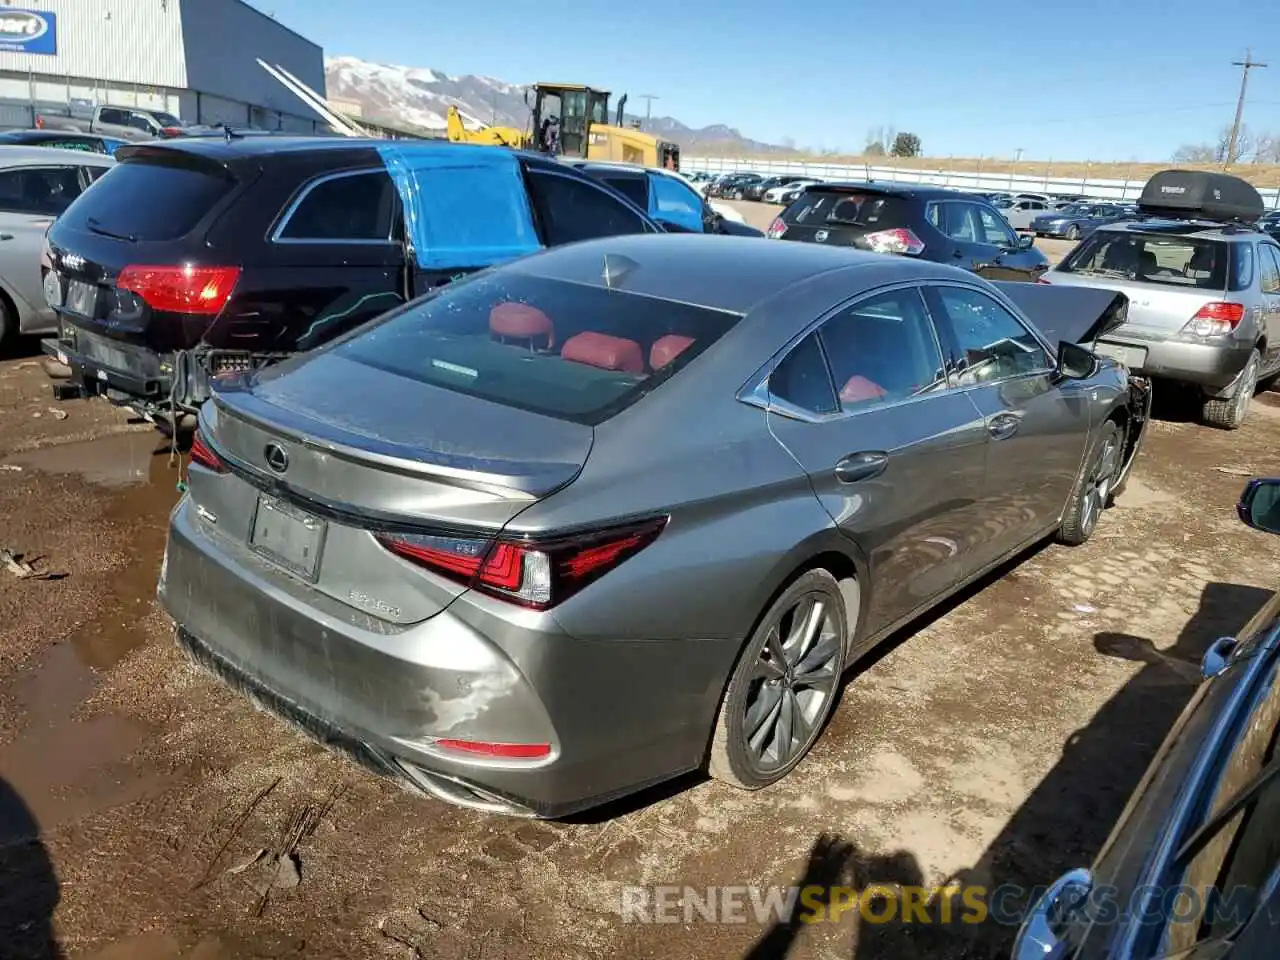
{"x": 1094, "y": 489}
{"x": 1228, "y": 413}
{"x": 785, "y": 674}
{"x": 8, "y": 323}
{"x": 1073, "y": 232}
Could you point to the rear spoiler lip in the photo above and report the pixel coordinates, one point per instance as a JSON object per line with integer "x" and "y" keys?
{"x": 1096, "y": 311}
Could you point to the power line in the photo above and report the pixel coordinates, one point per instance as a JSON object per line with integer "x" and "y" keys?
{"x": 1245, "y": 65}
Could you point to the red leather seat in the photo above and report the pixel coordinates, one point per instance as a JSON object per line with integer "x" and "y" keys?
{"x": 603, "y": 351}
{"x": 858, "y": 389}
{"x": 665, "y": 349}
{"x": 520, "y": 321}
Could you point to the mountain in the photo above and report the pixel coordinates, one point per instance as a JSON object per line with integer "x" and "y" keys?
{"x": 419, "y": 98}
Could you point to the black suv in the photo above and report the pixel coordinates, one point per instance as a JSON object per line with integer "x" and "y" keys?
{"x": 944, "y": 226}
{"x": 195, "y": 257}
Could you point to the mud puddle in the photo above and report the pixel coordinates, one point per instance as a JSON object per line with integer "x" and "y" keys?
{"x": 64, "y": 763}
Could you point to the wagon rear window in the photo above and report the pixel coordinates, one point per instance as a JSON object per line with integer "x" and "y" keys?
{"x": 1170, "y": 260}
{"x": 567, "y": 350}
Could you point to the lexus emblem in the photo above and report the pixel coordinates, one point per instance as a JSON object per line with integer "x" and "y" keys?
{"x": 277, "y": 457}
{"x": 821, "y": 235}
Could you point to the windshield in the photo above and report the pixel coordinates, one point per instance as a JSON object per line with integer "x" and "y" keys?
{"x": 1169, "y": 260}
{"x": 566, "y": 350}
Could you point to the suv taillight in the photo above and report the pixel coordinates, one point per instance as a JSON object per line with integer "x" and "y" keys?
{"x": 776, "y": 229}
{"x": 185, "y": 289}
{"x": 1215, "y": 320}
{"x": 897, "y": 240}
{"x": 532, "y": 573}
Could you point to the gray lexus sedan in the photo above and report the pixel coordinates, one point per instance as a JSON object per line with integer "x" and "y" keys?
{"x": 629, "y": 508}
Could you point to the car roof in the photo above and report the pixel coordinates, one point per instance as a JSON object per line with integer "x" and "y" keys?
{"x": 220, "y": 149}
{"x": 26, "y": 155}
{"x": 914, "y": 191}
{"x": 732, "y": 274}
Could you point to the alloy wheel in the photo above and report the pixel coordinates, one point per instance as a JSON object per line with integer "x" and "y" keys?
{"x": 1100, "y": 483}
{"x": 794, "y": 678}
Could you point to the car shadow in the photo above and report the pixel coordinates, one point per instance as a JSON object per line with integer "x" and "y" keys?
{"x": 1067, "y": 817}
{"x": 20, "y": 348}
{"x": 28, "y": 885}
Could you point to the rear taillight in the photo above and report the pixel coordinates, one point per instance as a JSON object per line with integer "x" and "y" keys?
{"x": 171, "y": 131}
{"x": 533, "y": 573}
{"x": 185, "y": 289}
{"x": 776, "y": 229}
{"x": 1043, "y": 280}
{"x": 203, "y": 454}
{"x": 897, "y": 240}
{"x": 1215, "y": 319}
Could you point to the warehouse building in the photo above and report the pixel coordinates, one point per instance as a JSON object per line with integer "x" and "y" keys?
{"x": 196, "y": 59}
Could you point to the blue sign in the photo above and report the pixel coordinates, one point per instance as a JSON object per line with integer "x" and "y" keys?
{"x": 28, "y": 31}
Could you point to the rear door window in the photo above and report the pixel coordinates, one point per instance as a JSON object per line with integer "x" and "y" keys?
{"x": 356, "y": 207}
{"x": 802, "y": 379}
{"x": 1269, "y": 268}
{"x": 571, "y": 209}
{"x": 674, "y": 201}
{"x": 567, "y": 350}
{"x": 993, "y": 228}
{"x": 144, "y": 201}
{"x": 1242, "y": 265}
{"x": 39, "y": 191}
{"x": 1167, "y": 259}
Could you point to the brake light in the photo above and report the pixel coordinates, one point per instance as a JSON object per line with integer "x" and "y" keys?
{"x": 1215, "y": 320}
{"x": 776, "y": 229}
{"x": 185, "y": 289}
{"x": 39, "y": 123}
{"x": 203, "y": 454}
{"x": 535, "y": 573}
{"x": 496, "y": 751}
{"x": 897, "y": 240}
{"x": 1043, "y": 280}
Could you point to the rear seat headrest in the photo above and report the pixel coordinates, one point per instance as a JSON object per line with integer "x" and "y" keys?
{"x": 859, "y": 388}
{"x": 665, "y": 349}
{"x": 603, "y": 351}
{"x": 522, "y": 321}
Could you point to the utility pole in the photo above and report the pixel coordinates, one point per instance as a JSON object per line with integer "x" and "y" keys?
{"x": 648, "y": 98}
{"x": 1245, "y": 65}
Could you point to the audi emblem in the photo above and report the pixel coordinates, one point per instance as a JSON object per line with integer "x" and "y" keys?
{"x": 277, "y": 457}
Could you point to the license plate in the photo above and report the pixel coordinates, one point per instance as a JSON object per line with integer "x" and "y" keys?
{"x": 81, "y": 297}
{"x": 287, "y": 536}
{"x": 1135, "y": 358}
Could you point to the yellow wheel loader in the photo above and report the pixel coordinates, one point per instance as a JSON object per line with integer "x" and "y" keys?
{"x": 572, "y": 120}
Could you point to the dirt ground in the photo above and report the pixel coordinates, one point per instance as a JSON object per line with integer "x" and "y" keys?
{"x": 995, "y": 741}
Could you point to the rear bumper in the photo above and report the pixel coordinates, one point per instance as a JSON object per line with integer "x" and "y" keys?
{"x": 99, "y": 363}
{"x": 1209, "y": 365}
{"x": 383, "y": 693}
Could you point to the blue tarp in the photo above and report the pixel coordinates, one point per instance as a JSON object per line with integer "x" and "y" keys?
{"x": 464, "y": 205}
{"x": 673, "y": 201}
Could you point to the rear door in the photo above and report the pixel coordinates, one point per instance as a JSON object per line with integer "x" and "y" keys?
{"x": 1038, "y": 427}
{"x": 981, "y": 237}
{"x": 1268, "y": 256}
{"x": 862, "y": 404}
{"x": 30, "y": 199}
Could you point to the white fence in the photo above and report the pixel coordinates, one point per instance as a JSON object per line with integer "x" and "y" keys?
{"x": 957, "y": 180}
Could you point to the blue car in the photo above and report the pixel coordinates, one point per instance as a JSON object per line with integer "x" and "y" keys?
{"x": 1192, "y": 869}
{"x": 1077, "y": 220}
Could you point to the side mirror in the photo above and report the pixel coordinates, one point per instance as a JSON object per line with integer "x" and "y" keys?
{"x": 1026, "y": 241}
{"x": 1259, "y": 505}
{"x": 1075, "y": 362}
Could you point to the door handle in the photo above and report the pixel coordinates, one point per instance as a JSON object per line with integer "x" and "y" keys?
{"x": 861, "y": 466}
{"x": 1003, "y": 425}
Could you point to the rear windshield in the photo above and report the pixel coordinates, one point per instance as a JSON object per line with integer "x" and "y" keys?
{"x": 1170, "y": 260}
{"x": 568, "y": 350}
{"x": 816, "y": 207}
{"x": 137, "y": 200}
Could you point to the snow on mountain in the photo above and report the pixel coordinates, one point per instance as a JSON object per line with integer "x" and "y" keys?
{"x": 420, "y": 97}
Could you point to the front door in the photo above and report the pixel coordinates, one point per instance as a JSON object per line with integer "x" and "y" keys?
{"x": 1038, "y": 424}
{"x": 895, "y": 457}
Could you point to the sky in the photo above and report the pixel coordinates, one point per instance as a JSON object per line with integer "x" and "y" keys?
{"x": 1105, "y": 80}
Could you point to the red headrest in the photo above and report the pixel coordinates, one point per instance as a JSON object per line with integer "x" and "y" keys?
{"x": 521, "y": 320}
{"x": 665, "y": 349}
{"x": 859, "y": 388}
{"x": 601, "y": 350}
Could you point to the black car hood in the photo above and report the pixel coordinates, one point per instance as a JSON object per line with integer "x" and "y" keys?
{"x": 1075, "y": 314}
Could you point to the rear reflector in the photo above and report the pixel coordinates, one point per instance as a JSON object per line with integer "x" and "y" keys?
{"x": 897, "y": 240}
{"x": 776, "y": 229}
{"x": 497, "y": 751}
{"x": 203, "y": 454}
{"x": 532, "y": 573}
{"x": 1215, "y": 319}
{"x": 184, "y": 289}
{"x": 1043, "y": 280}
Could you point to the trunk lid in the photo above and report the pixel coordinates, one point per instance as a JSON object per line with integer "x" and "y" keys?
{"x": 327, "y": 459}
